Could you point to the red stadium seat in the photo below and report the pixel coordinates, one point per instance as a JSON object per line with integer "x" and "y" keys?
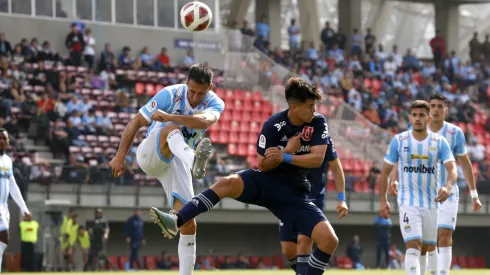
{"x": 224, "y": 126}
{"x": 257, "y": 96}
{"x": 239, "y": 94}
{"x": 232, "y": 149}
{"x": 223, "y": 137}
{"x": 267, "y": 261}
{"x": 150, "y": 90}
{"x": 242, "y": 150}
{"x": 246, "y": 116}
{"x": 234, "y": 126}
{"x": 247, "y": 96}
{"x": 140, "y": 88}
{"x": 158, "y": 88}
{"x": 226, "y": 116}
{"x": 237, "y": 104}
{"x": 252, "y": 138}
{"x": 454, "y": 261}
{"x": 480, "y": 261}
{"x": 278, "y": 261}
{"x": 463, "y": 263}
{"x": 228, "y": 94}
{"x": 220, "y": 93}
{"x": 472, "y": 262}
{"x": 251, "y": 150}
{"x": 220, "y": 260}
{"x": 244, "y": 127}
{"x": 9, "y": 263}
{"x": 247, "y": 106}
{"x": 237, "y": 114}
{"x": 233, "y": 138}
{"x": 243, "y": 138}
{"x": 254, "y": 261}
{"x": 254, "y": 127}
{"x": 214, "y": 136}
{"x": 122, "y": 262}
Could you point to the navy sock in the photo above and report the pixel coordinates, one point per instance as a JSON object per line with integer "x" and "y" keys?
{"x": 292, "y": 263}
{"x": 318, "y": 262}
{"x": 302, "y": 265}
{"x": 199, "y": 204}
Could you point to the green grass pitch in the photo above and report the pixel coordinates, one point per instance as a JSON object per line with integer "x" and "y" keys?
{"x": 272, "y": 272}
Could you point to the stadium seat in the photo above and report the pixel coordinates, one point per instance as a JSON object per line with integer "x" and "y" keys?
{"x": 232, "y": 149}
{"x": 139, "y": 88}
{"x": 237, "y": 115}
{"x": 220, "y": 92}
{"x": 16, "y": 262}
{"x": 247, "y": 116}
{"x": 257, "y": 96}
{"x": 251, "y": 150}
{"x": 244, "y": 127}
{"x": 463, "y": 263}
{"x": 223, "y": 138}
{"x": 278, "y": 261}
{"x": 472, "y": 262}
{"x": 233, "y": 138}
{"x": 252, "y": 138}
{"x": 243, "y": 138}
{"x": 220, "y": 260}
{"x": 254, "y": 261}
{"x": 454, "y": 261}
{"x": 234, "y": 127}
{"x": 254, "y": 127}
{"x": 238, "y": 94}
{"x": 214, "y": 136}
{"x": 242, "y": 150}
{"x": 228, "y": 94}
{"x": 267, "y": 261}
{"x": 480, "y": 261}
{"x": 9, "y": 263}
{"x": 122, "y": 260}
{"x": 150, "y": 89}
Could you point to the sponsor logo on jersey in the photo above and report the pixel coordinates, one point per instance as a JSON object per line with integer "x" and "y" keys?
{"x": 280, "y": 125}
{"x": 405, "y": 149}
{"x": 262, "y": 141}
{"x": 4, "y": 168}
{"x": 177, "y": 98}
{"x": 433, "y": 148}
{"x": 325, "y": 131}
{"x": 186, "y": 133}
{"x": 307, "y": 133}
{"x": 284, "y": 138}
{"x": 151, "y": 106}
{"x": 303, "y": 149}
{"x": 416, "y": 156}
{"x": 420, "y": 169}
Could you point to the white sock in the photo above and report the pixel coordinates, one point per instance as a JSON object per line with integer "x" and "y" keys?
{"x": 3, "y": 246}
{"x": 179, "y": 148}
{"x": 412, "y": 261}
{"x": 187, "y": 254}
{"x": 423, "y": 264}
{"x": 445, "y": 259}
{"x": 433, "y": 262}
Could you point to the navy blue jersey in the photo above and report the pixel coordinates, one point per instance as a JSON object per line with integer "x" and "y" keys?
{"x": 276, "y": 132}
{"x": 317, "y": 176}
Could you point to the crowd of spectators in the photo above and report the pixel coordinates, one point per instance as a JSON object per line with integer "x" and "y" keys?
{"x": 51, "y": 96}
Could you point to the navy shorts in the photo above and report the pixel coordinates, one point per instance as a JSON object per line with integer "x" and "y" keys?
{"x": 287, "y": 233}
{"x": 289, "y": 205}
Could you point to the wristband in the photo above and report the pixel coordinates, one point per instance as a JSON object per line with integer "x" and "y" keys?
{"x": 287, "y": 158}
{"x": 341, "y": 196}
{"x": 474, "y": 194}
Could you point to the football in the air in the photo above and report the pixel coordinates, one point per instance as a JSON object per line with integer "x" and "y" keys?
{"x": 196, "y": 16}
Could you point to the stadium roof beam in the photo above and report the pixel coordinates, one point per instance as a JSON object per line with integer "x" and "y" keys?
{"x": 309, "y": 21}
{"x": 238, "y": 11}
{"x": 349, "y": 18}
{"x": 272, "y": 11}
{"x": 447, "y": 21}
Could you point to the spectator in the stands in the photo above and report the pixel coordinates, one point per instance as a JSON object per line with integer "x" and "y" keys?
{"x": 47, "y": 53}
{"x": 163, "y": 58}
{"x": 76, "y": 121}
{"x": 104, "y": 123}
{"x": 356, "y": 41}
{"x": 411, "y": 62}
{"x": 5, "y": 47}
{"x": 475, "y": 48}
{"x": 190, "y": 59}
{"x": 228, "y": 263}
{"x": 328, "y": 36}
{"x": 293, "y": 32}
{"x": 476, "y": 150}
{"x": 126, "y": 61}
{"x": 147, "y": 60}
{"x": 438, "y": 46}
{"x": 262, "y": 28}
{"x": 122, "y": 102}
{"x": 89, "y": 50}
{"x": 109, "y": 78}
{"x": 397, "y": 258}
{"x": 17, "y": 56}
{"x": 369, "y": 42}
{"x": 89, "y": 121}
{"x": 86, "y": 105}
{"x": 33, "y": 50}
{"x": 60, "y": 140}
{"x": 107, "y": 58}
{"x": 75, "y": 44}
{"x": 354, "y": 252}
{"x": 77, "y": 171}
{"x": 241, "y": 262}
{"x": 24, "y": 46}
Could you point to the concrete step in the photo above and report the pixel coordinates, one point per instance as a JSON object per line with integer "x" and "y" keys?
{"x": 44, "y": 155}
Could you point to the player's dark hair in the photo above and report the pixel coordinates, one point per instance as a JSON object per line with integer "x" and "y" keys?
{"x": 420, "y": 104}
{"x": 299, "y": 90}
{"x": 439, "y": 97}
{"x": 200, "y": 74}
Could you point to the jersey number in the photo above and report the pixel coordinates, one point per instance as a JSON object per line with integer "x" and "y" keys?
{"x": 405, "y": 218}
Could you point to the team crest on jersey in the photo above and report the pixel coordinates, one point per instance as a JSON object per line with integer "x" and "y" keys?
{"x": 407, "y": 228}
{"x": 433, "y": 148}
{"x": 151, "y": 106}
{"x": 307, "y": 133}
{"x": 262, "y": 141}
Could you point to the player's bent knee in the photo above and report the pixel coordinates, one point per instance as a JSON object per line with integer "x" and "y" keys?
{"x": 189, "y": 228}
{"x": 304, "y": 245}
{"x": 415, "y": 244}
{"x": 288, "y": 250}
{"x": 228, "y": 187}
{"x": 445, "y": 237}
{"x": 430, "y": 247}
{"x": 325, "y": 237}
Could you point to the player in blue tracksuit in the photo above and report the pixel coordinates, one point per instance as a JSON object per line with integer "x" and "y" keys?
{"x": 297, "y": 248}
{"x": 281, "y": 185}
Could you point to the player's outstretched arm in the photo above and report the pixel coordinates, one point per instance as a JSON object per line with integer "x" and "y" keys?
{"x": 198, "y": 121}
{"x": 17, "y": 196}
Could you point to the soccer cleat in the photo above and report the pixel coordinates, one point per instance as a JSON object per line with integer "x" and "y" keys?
{"x": 167, "y": 222}
{"x": 203, "y": 151}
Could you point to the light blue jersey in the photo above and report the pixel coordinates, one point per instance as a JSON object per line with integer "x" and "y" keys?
{"x": 6, "y": 176}
{"x": 456, "y": 139}
{"x": 173, "y": 100}
{"x": 419, "y": 163}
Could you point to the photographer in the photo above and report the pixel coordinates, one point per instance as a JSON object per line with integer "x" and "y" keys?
{"x": 99, "y": 233}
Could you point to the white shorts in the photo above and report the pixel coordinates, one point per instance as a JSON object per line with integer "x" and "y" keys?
{"x": 448, "y": 214}
{"x": 419, "y": 223}
{"x": 172, "y": 173}
{"x": 4, "y": 218}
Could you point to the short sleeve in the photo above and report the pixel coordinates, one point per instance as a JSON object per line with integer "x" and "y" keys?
{"x": 331, "y": 153}
{"x": 391, "y": 156}
{"x": 460, "y": 149}
{"x": 161, "y": 101}
{"x": 320, "y": 132}
{"x": 267, "y": 138}
{"x": 216, "y": 106}
{"x": 445, "y": 154}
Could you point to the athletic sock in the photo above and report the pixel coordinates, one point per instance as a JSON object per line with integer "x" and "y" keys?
{"x": 412, "y": 261}
{"x": 433, "y": 262}
{"x": 199, "y": 204}
{"x": 292, "y": 263}
{"x": 3, "y": 246}
{"x": 187, "y": 254}
{"x": 445, "y": 258}
{"x": 423, "y": 264}
{"x": 179, "y": 148}
{"x": 318, "y": 262}
{"x": 303, "y": 264}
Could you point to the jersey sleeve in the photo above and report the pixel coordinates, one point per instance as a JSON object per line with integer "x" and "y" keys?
{"x": 331, "y": 153}
{"x": 460, "y": 149}
{"x": 216, "y": 106}
{"x": 161, "y": 101}
{"x": 267, "y": 138}
{"x": 391, "y": 156}
{"x": 445, "y": 154}
{"x": 320, "y": 132}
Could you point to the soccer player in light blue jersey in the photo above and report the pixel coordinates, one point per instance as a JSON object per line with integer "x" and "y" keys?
{"x": 179, "y": 115}
{"x": 8, "y": 187}
{"x": 448, "y": 211}
{"x": 419, "y": 154}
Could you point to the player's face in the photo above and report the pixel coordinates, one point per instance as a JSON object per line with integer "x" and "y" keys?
{"x": 304, "y": 111}
{"x": 196, "y": 92}
{"x": 438, "y": 110}
{"x": 4, "y": 141}
{"x": 419, "y": 118}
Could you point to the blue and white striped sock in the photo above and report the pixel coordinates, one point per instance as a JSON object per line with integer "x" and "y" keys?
{"x": 318, "y": 262}
{"x": 302, "y": 266}
{"x": 199, "y": 204}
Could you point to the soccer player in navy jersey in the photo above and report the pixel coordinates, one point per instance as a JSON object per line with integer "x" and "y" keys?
{"x": 297, "y": 247}
{"x": 281, "y": 185}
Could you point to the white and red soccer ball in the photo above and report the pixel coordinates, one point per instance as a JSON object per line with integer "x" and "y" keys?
{"x": 195, "y": 16}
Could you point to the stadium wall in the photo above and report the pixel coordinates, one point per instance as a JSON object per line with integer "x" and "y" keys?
{"x": 17, "y": 27}
{"x": 230, "y": 239}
